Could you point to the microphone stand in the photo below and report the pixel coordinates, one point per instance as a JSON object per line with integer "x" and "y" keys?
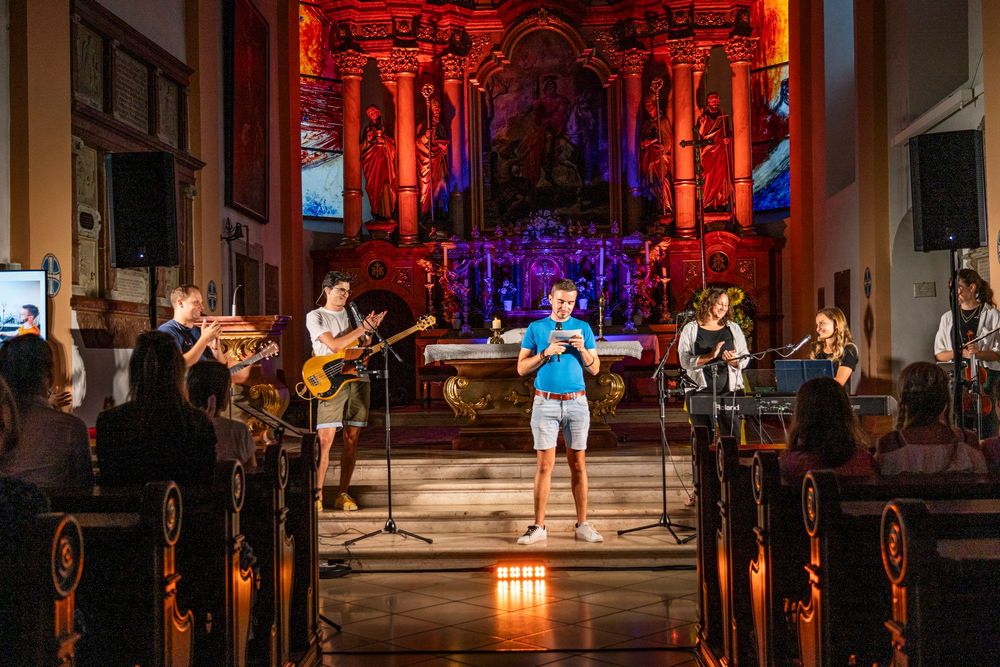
{"x": 664, "y": 520}
{"x": 390, "y": 525}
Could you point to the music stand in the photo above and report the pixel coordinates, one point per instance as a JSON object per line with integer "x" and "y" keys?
{"x": 664, "y": 521}
{"x": 390, "y": 524}
{"x": 279, "y": 425}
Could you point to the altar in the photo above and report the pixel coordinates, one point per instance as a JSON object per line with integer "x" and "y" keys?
{"x": 494, "y": 402}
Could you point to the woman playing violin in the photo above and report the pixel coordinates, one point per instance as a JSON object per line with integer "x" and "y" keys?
{"x": 978, "y": 315}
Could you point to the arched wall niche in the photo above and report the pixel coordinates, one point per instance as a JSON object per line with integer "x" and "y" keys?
{"x": 543, "y": 111}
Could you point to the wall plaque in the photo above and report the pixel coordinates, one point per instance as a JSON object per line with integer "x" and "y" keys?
{"x": 167, "y": 100}
{"x": 131, "y": 91}
{"x": 88, "y": 75}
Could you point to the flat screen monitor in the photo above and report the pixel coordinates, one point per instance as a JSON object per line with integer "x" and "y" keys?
{"x": 793, "y": 373}
{"x": 22, "y": 303}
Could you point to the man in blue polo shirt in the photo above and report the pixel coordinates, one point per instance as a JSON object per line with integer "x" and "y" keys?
{"x": 558, "y": 349}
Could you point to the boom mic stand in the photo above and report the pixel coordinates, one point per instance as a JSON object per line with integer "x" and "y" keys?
{"x": 664, "y": 520}
{"x": 390, "y": 525}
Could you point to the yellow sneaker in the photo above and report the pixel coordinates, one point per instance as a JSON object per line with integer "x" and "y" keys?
{"x": 343, "y": 501}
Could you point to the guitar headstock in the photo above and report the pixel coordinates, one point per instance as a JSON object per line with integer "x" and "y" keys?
{"x": 425, "y": 322}
{"x": 269, "y": 350}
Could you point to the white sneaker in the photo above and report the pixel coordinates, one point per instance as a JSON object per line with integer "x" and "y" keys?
{"x": 586, "y": 532}
{"x": 533, "y": 534}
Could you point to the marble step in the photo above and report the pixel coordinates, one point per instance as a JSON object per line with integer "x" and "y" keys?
{"x": 506, "y": 520}
{"x": 484, "y": 495}
{"x": 371, "y": 470}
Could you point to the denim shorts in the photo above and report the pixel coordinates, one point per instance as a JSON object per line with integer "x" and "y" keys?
{"x": 549, "y": 416}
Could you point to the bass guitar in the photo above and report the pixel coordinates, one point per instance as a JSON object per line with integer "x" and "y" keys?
{"x": 267, "y": 352}
{"x": 325, "y": 376}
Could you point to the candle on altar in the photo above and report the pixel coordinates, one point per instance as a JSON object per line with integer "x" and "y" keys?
{"x": 663, "y": 271}
{"x": 647, "y": 252}
{"x": 430, "y": 278}
{"x": 445, "y": 257}
{"x": 489, "y": 265}
{"x": 600, "y": 265}
{"x": 496, "y": 322}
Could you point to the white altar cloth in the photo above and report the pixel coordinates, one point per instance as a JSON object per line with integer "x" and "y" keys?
{"x": 446, "y": 352}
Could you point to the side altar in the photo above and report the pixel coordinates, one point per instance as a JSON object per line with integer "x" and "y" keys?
{"x": 494, "y": 402}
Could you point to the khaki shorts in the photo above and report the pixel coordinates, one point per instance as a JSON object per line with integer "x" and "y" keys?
{"x": 348, "y": 408}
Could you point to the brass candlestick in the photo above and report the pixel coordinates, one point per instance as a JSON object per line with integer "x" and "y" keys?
{"x": 600, "y": 317}
{"x": 495, "y": 338}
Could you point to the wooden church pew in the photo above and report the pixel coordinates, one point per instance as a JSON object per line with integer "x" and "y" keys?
{"x": 264, "y": 521}
{"x": 945, "y": 578}
{"x": 40, "y": 574}
{"x": 128, "y": 596}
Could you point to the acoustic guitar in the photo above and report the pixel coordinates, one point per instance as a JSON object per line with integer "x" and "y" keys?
{"x": 324, "y": 376}
{"x": 270, "y": 350}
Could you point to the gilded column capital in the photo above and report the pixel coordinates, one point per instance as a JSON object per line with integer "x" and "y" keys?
{"x": 701, "y": 58}
{"x": 350, "y": 63}
{"x": 740, "y": 49}
{"x": 632, "y": 62}
{"x": 404, "y": 61}
{"x": 386, "y": 70}
{"x": 480, "y": 45}
{"x": 683, "y": 51}
{"x": 452, "y": 67}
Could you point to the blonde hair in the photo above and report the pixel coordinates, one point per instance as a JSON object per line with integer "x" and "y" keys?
{"x": 840, "y": 339}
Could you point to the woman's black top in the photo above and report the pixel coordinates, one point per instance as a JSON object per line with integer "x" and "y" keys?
{"x": 704, "y": 343}
{"x": 850, "y": 358}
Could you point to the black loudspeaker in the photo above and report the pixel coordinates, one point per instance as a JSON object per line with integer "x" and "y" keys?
{"x": 948, "y": 186}
{"x": 142, "y": 209}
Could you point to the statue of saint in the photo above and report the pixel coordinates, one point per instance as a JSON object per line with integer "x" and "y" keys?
{"x": 716, "y": 160}
{"x": 656, "y": 141}
{"x": 432, "y": 162}
{"x": 378, "y": 164}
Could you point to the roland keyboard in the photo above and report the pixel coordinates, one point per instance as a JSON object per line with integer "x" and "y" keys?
{"x": 754, "y": 406}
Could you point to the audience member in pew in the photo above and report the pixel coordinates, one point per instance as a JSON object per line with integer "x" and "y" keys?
{"x": 20, "y": 500}
{"x": 157, "y": 434}
{"x": 208, "y": 385}
{"x": 978, "y": 315}
{"x": 54, "y": 448}
{"x": 834, "y": 342}
{"x": 825, "y": 434}
{"x": 923, "y": 441}
{"x": 713, "y": 336}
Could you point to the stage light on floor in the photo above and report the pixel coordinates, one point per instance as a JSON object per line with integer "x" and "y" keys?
{"x": 521, "y": 571}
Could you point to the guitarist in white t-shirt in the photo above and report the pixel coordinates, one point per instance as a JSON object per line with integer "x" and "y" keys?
{"x": 332, "y": 331}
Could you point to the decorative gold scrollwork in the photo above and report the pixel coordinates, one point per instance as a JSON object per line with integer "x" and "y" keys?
{"x": 616, "y": 390}
{"x": 516, "y": 399}
{"x": 453, "y": 387}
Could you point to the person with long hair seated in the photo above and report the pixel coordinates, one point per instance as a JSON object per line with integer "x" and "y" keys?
{"x": 713, "y": 336}
{"x": 54, "y": 448}
{"x": 924, "y": 441}
{"x": 834, "y": 342}
{"x": 157, "y": 434}
{"x": 825, "y": 434}
{"x": 978, "y": 315}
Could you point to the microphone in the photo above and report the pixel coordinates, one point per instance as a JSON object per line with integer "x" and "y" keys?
{"x": 356, "y": 314}
{"x": 558, "y": 328}
{"x": 798, "y": 346}
{"x": 232, "y": 310}
{"x": 684, "y": 314}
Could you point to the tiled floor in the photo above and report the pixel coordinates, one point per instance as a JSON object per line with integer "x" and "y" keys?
{"x": 634, "y": 617}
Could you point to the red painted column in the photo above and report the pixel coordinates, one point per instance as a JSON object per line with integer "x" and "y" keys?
{"x": 351, "y": 65}
{"x": 683, "y": 54}
{"x": 405, "y": 65}
{"x": 740, "y": 52}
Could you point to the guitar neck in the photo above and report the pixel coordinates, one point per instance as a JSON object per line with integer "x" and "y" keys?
{"x": 249, "y": 361}
{"x": 392, "y": 339}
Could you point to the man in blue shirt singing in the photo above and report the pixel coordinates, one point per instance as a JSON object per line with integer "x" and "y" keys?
{"x": 558, "y": 349}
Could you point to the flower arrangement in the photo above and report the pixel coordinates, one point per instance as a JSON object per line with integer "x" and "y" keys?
{"x": 584, "y": 288}
{"x": 642, "y": 301}
{"x": 741, "y": 309}
{"x": 507, "y": 291}
{"x": 542, "y": 224}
